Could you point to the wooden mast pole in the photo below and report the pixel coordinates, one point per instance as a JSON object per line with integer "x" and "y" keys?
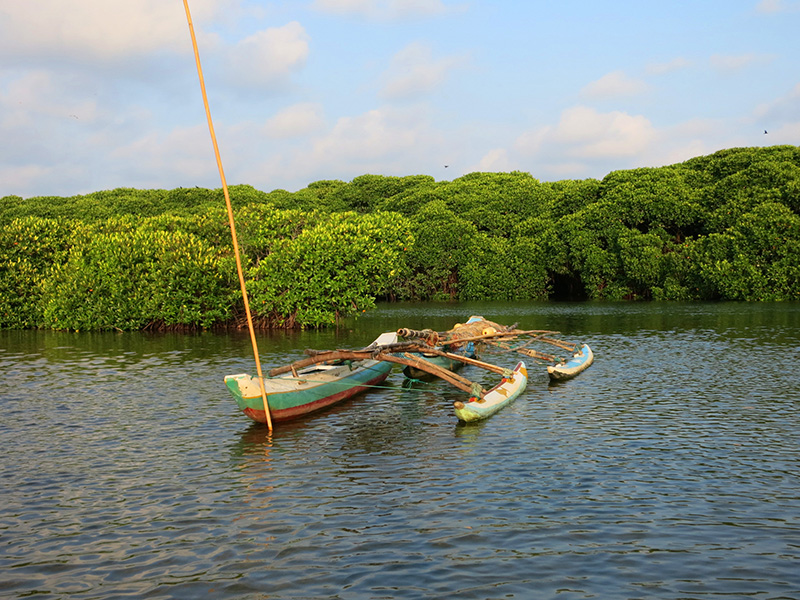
{"x": 230, "y": 218}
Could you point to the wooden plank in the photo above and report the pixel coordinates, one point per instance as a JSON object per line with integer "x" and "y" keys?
{"x": 469, "y": 361}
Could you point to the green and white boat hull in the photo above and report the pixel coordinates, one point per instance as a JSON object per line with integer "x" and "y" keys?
{"x": 313, "y": 388}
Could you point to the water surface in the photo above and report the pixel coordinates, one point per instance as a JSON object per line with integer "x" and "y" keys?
{"x": 669, "y": 469}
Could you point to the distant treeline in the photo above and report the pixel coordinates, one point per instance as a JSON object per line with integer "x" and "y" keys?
{"x": 719, "y": 227}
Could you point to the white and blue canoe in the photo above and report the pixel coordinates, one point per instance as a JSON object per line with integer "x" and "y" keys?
{"x": 501, "y": 395}
{"x": 571, "y": 367}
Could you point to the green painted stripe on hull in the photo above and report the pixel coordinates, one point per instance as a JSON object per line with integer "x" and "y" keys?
{"x": 286, "y": 405}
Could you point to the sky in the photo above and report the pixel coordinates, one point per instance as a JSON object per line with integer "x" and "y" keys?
{"x": 97, "y": 95}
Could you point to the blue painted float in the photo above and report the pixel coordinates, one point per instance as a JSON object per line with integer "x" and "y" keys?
{"x": 571, "y": 367}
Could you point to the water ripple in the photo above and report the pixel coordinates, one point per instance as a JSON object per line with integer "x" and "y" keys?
{"x": 668, "y": 470}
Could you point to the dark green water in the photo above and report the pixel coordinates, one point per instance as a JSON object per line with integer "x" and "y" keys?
{"x": 669, "y": 469}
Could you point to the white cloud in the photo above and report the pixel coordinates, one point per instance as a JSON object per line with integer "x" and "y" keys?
{"x": 17, "y": 178}
{"x": 790, "y": 131}
{"x": 414, "y": 71}
{"x": 269, "y": 55}
{"x": 676, "y": 64}
{"x": 735, "y": 63}
{"x": 586, "y": 141}
{"x": 385, "y": 9}
{"x": 297, "y": 120}
{"x": 99, "y": 30}
{"x": 784, "y": 108}
{"x": 414, "y": 8}
{"x": 590, "y": 134}
{"x": 494, "y": 161}
{"x": 778, "y": 6}
{"x": 614, "y": 84}
{"x": 370, "y": 136}
{"x": 386, "y": 141}
{"x": 344, "y": 6}
{"x": 187, "y": 150}
{"x": 39, "y": 94}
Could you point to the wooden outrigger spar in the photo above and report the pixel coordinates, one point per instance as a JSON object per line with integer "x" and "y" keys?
{"x": 407, "y": 353}
{"x": 401, "y": 354}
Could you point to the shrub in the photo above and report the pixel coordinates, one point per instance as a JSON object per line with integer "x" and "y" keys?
{"x": 137, "y": 279}
{"x": 29, "y": 247}
{"x": 332, "y": 269}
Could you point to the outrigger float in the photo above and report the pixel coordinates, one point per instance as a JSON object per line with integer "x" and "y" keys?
{"x": 324, "y": 378}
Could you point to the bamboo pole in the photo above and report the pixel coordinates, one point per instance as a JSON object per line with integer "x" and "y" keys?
{"x": 470, "y": 361}
{"x": 230, "y": 217}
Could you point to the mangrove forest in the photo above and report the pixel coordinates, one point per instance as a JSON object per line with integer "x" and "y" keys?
{"x": 720, "y": 227}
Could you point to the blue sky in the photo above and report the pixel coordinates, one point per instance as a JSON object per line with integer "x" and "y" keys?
{"x": 97, "y": 95}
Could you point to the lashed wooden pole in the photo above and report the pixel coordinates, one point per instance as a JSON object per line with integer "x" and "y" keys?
{"x": 230, "y": 217}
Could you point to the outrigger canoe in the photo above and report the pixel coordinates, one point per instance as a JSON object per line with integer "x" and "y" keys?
{"x": 568, "y": 369}
{"x": 295, "y": 394}
{"x": 501, "y": 395}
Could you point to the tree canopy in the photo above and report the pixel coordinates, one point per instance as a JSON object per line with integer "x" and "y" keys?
{"x": 720, "y": 227}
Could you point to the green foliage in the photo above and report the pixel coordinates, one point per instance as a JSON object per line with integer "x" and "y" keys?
{"x": 494, "y": 202}
{"x": 29, "y": 247}
{"x": 724, "y": 163}
{"x": 724, "y": 226}
{"x": 504, "y": 269}
{"x": 329, "y": 270}
{"x": 652, "y": 198}
{"x": 757, "y": 259}
{"x": 128, "y": 278}
{"x": 570, "y": 196}
{"x": 411, "y": 200}
{"x": 264, "y": 229}
{"x": 442, "y": 245}
{"x": 367, "y": 192}
{"x": 580, "y": 249}
{"x": 108, "y": 204}
{"x": 644, "y": 261}
{"x": 731, "y": 197}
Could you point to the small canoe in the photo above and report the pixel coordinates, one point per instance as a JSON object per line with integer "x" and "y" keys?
{"x": 568, "y": 369}
{"x": 499, "y": 396}
{"x": 311, "y": 389}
